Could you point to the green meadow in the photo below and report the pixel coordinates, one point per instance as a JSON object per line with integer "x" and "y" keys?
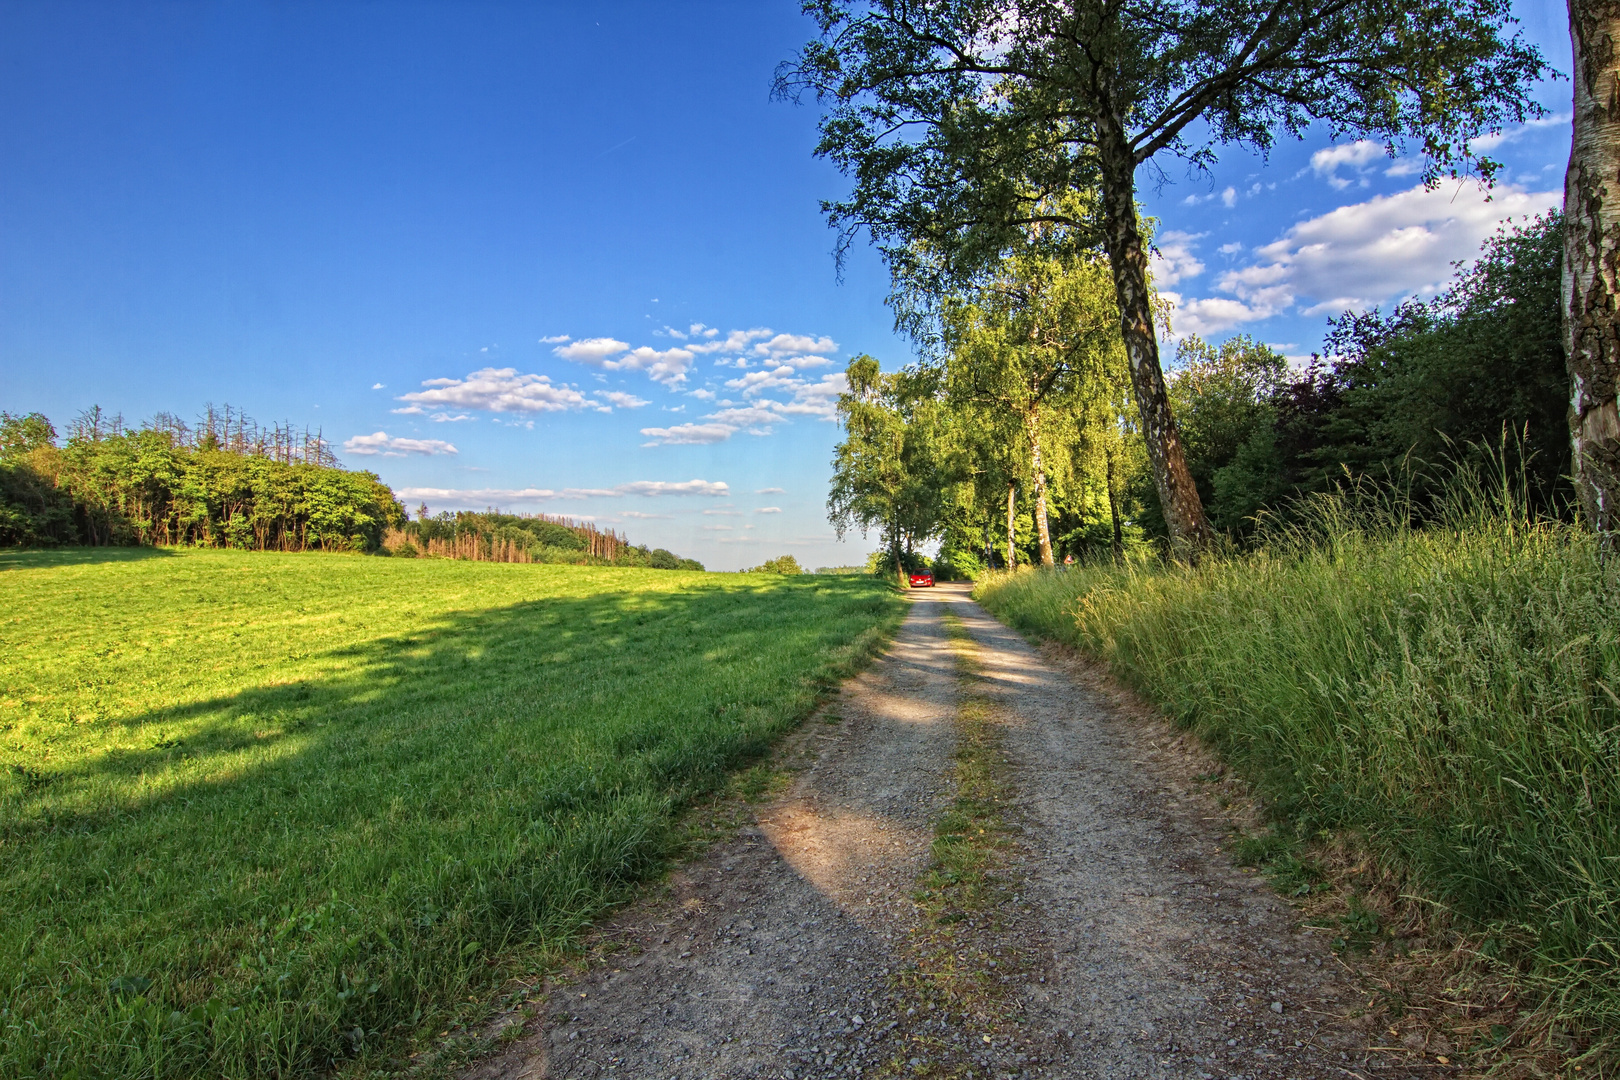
{"x": 274, "y": 815}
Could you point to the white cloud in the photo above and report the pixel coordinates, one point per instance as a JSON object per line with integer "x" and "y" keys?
{"x": 723, "y": 513}
{"x": 499, "y": 390}
{"x": 770, "y": 491}
{"x": 477, "y": 496}
{"x": 735, "y": 342}
{"x": 654, "y": 488}
{"x": 1361, "y": 255}
{"x": 555, "y": 339}
{"x": 1211, "y": 315}
{"x": 591, "y": 350}
{"x": 641, "y": 488}
{"x": 1173, "y": 258}
{"x": 758, "y": 381}
{"x": 1357, "y": 155}
{"x": 639, "y": 516}
{"x": 1231, "y": 249}
{"x": 382, "y": 443}
{"x": 1514, "y": 134}
{"x": 719, "y": 528}
{"x": 759, "y": 415}
{"x": 785, "y": 345}
{"x": 671, "y": 366}
{"x": 769, "y": 510}
{"x": 621, "y": 399}
{"x": 668, "y": 367}
{"x": 377, "y": 386}
{"x": 1229, "y": 197}
{"x": 687, "y": 434}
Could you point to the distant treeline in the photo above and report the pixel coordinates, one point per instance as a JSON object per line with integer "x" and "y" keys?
{"x": 225, "y": 482}
{"x": 490, "y": 536}
{"x": 228, "y": 482}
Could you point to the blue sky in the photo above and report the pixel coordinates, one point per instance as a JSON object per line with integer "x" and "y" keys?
{"x": 558, "y": 257}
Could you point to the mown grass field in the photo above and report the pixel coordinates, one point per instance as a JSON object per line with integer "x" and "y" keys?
{"x": 1451, "y": 696}
{"x": 269, "y": 815}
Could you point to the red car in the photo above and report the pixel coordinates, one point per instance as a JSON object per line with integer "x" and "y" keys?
{"x": 923, "y": 580}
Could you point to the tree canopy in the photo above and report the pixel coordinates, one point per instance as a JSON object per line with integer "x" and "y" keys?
{"x": 889, "y": 473}
{"x": 963, "y": 122}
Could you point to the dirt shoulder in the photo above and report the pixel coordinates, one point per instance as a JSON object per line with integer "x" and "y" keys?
{"x": 1124, "y": 943}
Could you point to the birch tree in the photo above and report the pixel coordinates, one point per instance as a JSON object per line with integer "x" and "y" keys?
{"x": 888, "y": 473}
{"x": 960, "y": 121}
{"x": 1591, "y": 279}
{"x": 1035, "y": 339}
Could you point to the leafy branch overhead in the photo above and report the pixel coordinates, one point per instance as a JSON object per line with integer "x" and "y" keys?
{"x": 959, "y": 116}
{"x": 964, "y": 122}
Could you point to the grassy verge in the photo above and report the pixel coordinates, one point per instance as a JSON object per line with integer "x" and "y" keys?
{"x": 1449, "y": 698}
{"x": 270, "y": 815}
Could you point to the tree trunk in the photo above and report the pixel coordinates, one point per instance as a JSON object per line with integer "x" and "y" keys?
{"x": 1183, "y": 512}
{"x": 1038, "y": 474}
{"x": 1113, "y": 510}
{"x": 1592, "y": 262}
{"x": 1012, "y": 531}
{"x": 899, "y": 571}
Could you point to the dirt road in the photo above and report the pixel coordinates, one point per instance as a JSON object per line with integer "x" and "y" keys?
{"x": 1130, "y": 945}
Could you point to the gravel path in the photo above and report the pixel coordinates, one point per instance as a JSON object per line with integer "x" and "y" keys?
{"x": 775, "y": 954}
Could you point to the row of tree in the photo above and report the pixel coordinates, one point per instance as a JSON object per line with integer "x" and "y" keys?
{"x": 228, "y": 482}
{"x": 223, "y": 483}
{"x": 1018, "y": 424}
{"x": 492, "y": 536}
{"x": 981, "y": 133}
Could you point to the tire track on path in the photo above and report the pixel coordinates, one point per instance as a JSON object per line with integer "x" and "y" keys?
{"x": 778, "y": 953}
{"x": 772, "y": 954}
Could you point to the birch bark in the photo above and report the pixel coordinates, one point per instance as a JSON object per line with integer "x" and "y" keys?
{"x": 1592, "y": 262}
{"x": 1038, "y": 471}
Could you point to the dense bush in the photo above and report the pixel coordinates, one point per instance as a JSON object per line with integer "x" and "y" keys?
{"x": 1406, "y": 395}
{"x": 784, "y": 564}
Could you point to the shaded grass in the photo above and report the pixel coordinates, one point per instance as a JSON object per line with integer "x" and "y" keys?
{"x": 268, "y": 815}
{"x": 1449, "y": 696}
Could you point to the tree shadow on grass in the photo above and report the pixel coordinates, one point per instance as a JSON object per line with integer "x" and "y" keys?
{"x": 550, "y": 666}
{"x": 336, "y": 858}
{"x": 491, "y": 778}
{"x": 46, "y": 558}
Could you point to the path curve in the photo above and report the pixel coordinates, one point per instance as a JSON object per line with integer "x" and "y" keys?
{"x": 775, "y": 954}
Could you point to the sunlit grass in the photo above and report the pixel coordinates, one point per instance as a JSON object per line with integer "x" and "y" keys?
{"x": 263, "y": 814}
{"x": 1449, "y": 694}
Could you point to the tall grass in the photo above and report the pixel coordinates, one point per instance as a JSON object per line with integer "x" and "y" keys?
{"x": 277, "y": 815}
{"x": 1451, "y": 693}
